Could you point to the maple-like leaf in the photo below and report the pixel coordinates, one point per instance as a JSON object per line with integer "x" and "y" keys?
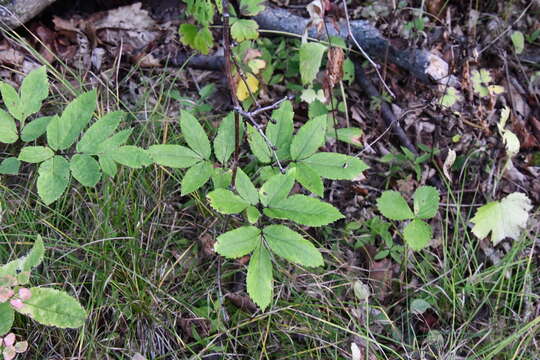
{"x": 505, "y": 218}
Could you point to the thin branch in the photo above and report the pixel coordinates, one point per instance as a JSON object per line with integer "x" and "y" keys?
{"x": 375, "y": 66}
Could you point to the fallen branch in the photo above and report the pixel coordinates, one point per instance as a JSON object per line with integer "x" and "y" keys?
{"x": 16, "y": 12}
{"x": 415, "y": 61}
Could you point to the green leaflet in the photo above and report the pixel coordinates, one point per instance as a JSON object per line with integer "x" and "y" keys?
{"x": 426, "y": 202}
{"x": 310, "y": 61}
{"x": 291, "y": 246}
{"x": 309, "y": 138}
{"x": 245, "y": 188}
{"x": 35, "y": 154}
{"x": 194, "y": 135}
{"x": 196, "y": 176}
{"x": 131, "y": 156}
{"x": 85, "y": 169}
{"x": 175, "y": 156}
{"x": 276, "y": 189}
{"x": 10, "y": 166}
{"x": 221, "y": 178}
{"x": 112, "y": 143}
{"x": 393, "y": 206}
{"x": 21, "y": 267}
{"x": 335, "y": 166}
{"x": 11, "y": 100}
{"x": 8, "y": 128}
{"x": 309, "y": 178}
{"x": 36, "y": 128}
{"x": 417, "y": 234}
{"x": 7, "y": 316}
{"x": 226, "y": 202}
{"x": 238, "y": 242}
{"x": 258, "y": 145}
{"x": 304, "y": 210}
{"x": 251, "y": 7}
{"x": 243, "y": 29}
{"x": 108, "y": 165}
{"x": 252, "y": 214}
{"x": 224, "y": 143}
{"x": 34, "y": 89}
{"x": 54, "y": 308}
{"x": 53, "y": 179}
{"x": 99, "y": 132}
{"x": 259, "y": 277}
{"x": 63, "y": 131}
{"x": 280, "y": 133}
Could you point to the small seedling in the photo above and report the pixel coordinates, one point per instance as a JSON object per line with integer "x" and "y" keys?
{"x": 393, "y": 206}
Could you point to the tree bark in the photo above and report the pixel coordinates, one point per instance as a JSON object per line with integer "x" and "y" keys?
{"x": 14, "y": 13}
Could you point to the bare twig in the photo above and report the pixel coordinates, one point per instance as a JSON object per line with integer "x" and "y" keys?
{"x": 375, "y": 66}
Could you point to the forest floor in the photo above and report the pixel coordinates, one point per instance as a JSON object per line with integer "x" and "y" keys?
{"x": 139, "y": 255}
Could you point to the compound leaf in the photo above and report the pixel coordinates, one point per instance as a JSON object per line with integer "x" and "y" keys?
{"x": 505, "y": 218}
{"x": 196, "y": 176}
{"x": 53, "y": 179}
{"x": 336, "y": 166}
{"x": 226, "y": 202}
{"x": 426, "y": 202}
{"x": 238, "y": 242}
{"x": 309, "y": 138}
{"x": 292, "y": 246}
{"x": 304, "y": 210}
{"x": 174, "y": 156}
{"x": 194, "y": 134}
{"x": 417, "y": 234}
{"x": 393, "y": 206}
{"x": 54, "y": 308}
{"x": 259, "y": 277}
{"x": 85, "y": 169}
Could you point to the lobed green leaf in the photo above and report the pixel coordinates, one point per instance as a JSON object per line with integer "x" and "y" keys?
{"x": 393, "y": 206}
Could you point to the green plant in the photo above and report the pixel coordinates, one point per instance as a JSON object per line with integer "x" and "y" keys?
{"x": 393, "y": 206}
{"x": 297, "y": 159}
{"x": 57, "y": 158}
{"x": 377, "y": 232}
{"x": 408, "y": 159}
{"x": 47, "y": 306}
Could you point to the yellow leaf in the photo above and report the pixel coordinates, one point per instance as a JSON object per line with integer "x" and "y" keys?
{"x": 242, "y": 92}
{"x": 256, "y": 65}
